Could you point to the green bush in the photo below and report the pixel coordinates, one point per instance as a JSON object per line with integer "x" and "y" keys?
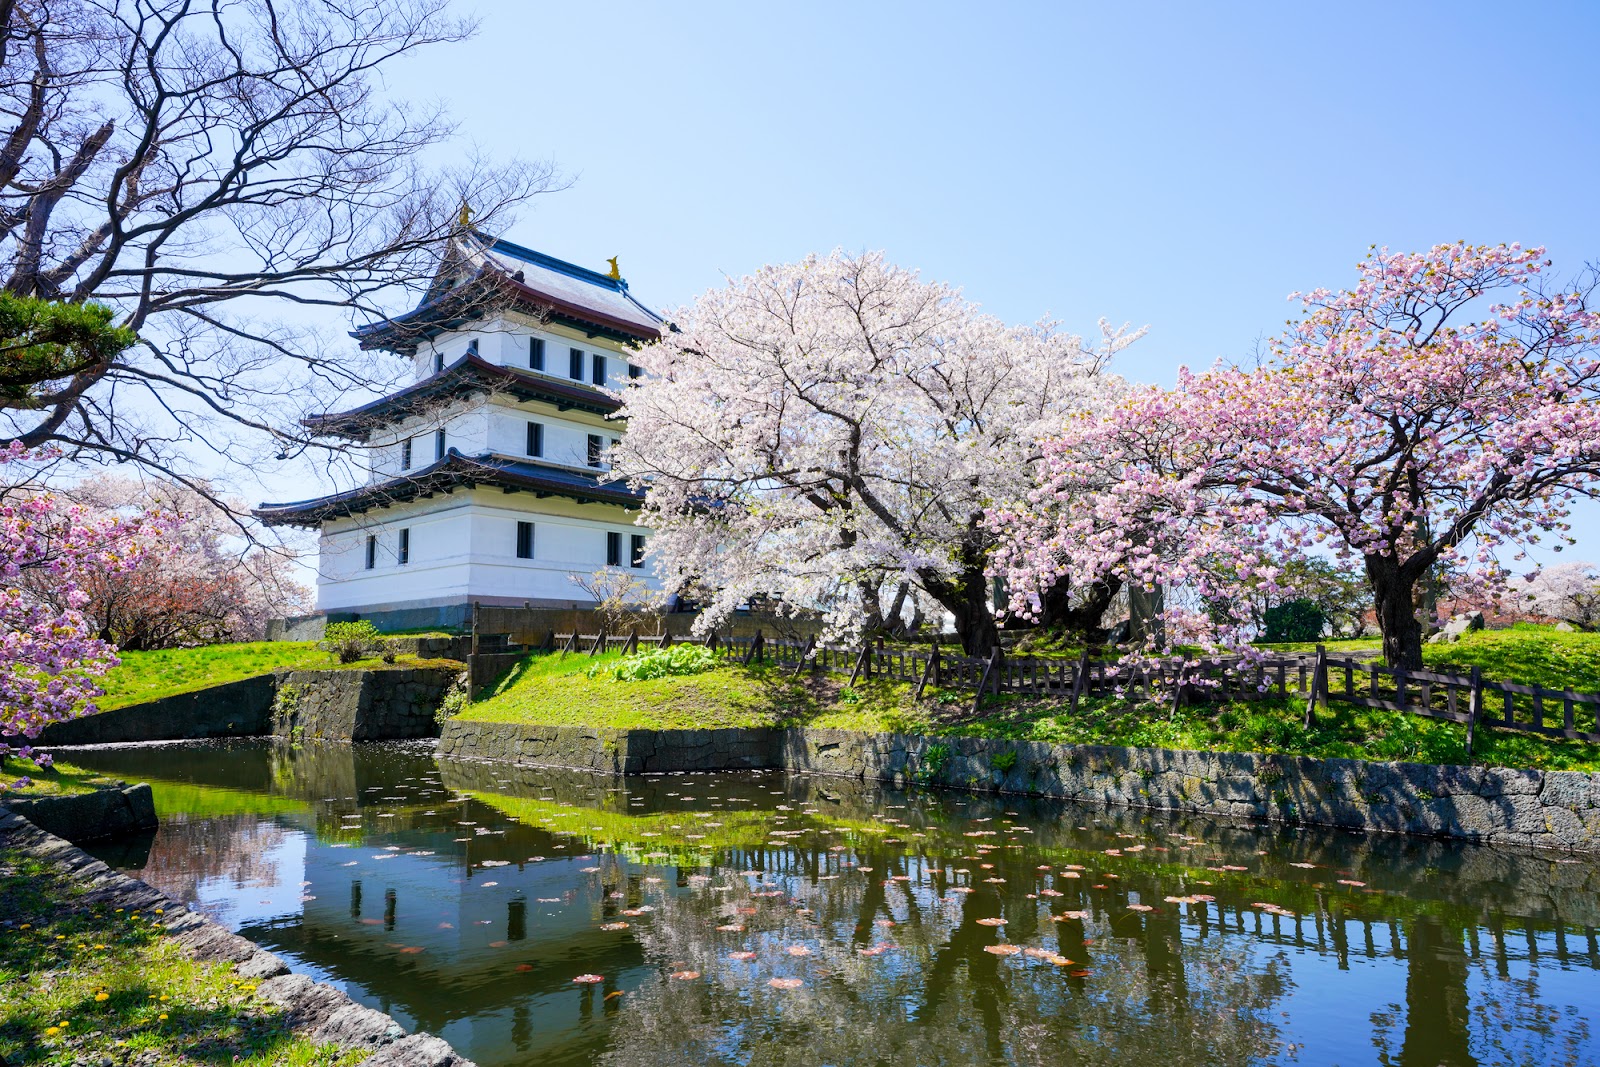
{"x": 664, "y": 662}
{"x": 1293, "y": 620}
{"x": 351, "y": 641}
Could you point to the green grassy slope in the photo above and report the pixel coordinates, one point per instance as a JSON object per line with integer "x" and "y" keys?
{"x": 578, "y": 690}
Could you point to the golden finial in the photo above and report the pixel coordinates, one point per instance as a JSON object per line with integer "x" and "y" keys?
{"x": 615, "y": 273}
{"x": 465, "y": 217}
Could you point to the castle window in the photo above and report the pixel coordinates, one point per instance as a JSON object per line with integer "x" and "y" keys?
{"x": 613, "y": 549}
{"x": 595, "y": 445}
{"x": 402, "y": 552}
{"x": 536, "y": 353}
{"x": 599, "y": 375}
{"x": 405, "y": 454}
{"x": 575, "y": 369}
{"x": 524, "y": 540}
{"x": 438, "y": 361}
{"x": 535, "y": 438}
{"x": 636, "y": 557}
{"x": 372, "y": 551}
{"x": 634, "y": 371}
{"x": 438, "y": 443}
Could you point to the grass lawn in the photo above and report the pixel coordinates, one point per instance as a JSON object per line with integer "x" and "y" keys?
{"x": 62, "y": 779}
{"x": 549, "y": 689}
{"x": 146, "y": 676}
{"x": 88, "y": 984}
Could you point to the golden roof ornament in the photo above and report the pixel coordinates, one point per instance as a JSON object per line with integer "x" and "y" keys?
{"x": 465, "y": 218}
{"x": 615, "y": 272}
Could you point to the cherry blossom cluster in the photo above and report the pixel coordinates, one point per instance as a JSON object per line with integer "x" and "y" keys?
{"x": 50, "y": 656}
{"x": 1443, "y": 412}
{"x": 838, "y": 421}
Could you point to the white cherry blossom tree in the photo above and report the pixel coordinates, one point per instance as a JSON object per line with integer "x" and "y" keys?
{"x": 818, "y": 429}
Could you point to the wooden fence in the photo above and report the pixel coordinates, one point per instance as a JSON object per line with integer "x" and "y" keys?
{"x": 1316, "y": 677}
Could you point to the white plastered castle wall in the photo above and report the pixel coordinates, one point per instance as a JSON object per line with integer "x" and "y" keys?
{"x": 463, "y": 546}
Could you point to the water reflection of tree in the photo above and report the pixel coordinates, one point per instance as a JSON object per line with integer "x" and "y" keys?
{"x": 1439, "y": 1025}
{"x": 186, "y": 853}
{"x": 938, "y": 997}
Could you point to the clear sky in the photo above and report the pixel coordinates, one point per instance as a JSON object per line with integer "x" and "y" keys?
{"x": 1180, "y": 165}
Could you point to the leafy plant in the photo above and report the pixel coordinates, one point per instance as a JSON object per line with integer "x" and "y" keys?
{"x": 350, "y": 641}
{"x": 662, "y": 663}
{"x": 848, "y": 695}
{"x": 1004, "y": 761}
{"x": 455, "y": 699}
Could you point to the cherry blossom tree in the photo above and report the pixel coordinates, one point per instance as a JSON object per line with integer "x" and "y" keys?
{"x": 1440, "y": 413}
{"x": 50, "y": 656}
{"x": 202, "y": 584}
{"x": 1569, "y": 592}
{"x": 819, "y": 429}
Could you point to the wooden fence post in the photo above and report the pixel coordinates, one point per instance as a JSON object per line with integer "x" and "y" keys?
{"x": 599, "y": 642}
{"x": 1080, "y": 680}
{"x": 633, "y": 642}
{"x": 754, "y": 650}
{"x": 1319, "y": 682}
{"x": 929, "y": 670}
{"x": 991, "y": 671}
{"x": 1474, "y": 707}
{"x": 862, "y": 664}
{"x": 666, "y": 638}
{"x": 1179, "y": 682}
{"x": 805, "y": 654}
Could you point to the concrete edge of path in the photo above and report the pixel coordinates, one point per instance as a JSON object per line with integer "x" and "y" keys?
{"x": 315, "y": 1011}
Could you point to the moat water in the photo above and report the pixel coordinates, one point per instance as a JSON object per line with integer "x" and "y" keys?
{"x": 545, "y": 917}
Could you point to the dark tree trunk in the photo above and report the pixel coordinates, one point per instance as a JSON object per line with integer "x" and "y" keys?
{"x": 967, "y": 598}
{"x": 892, "y": 618}
{"x": 1083, "y": 621}
{"x": 1394, "y": 601}
{"x": 871, "y": 606}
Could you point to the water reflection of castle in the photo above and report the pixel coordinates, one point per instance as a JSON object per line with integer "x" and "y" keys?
{"x": 1200, "y": 984}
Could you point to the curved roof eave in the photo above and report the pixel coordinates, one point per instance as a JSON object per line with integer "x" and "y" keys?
{"x": 467, "y": 375}
{"x": 512, "y": 474}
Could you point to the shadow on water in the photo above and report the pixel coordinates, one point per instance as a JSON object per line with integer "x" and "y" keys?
{"x": 884, "y": 927}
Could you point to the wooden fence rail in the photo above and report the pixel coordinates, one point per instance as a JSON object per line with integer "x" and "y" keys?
{"x": 1316, "y": 677}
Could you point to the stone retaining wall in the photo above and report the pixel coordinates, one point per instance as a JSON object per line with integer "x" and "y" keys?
{"x": 366, "y": 705}
{"x": 375, "y": 704}
{"x": 233, "y": 709}
{"x": 108, "y": 812}
{"x": 613, "y": 751}
{"x": 1543, "y": 809}
{"x": 320, "y": 1012}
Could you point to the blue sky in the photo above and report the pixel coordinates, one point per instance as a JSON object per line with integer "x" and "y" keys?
{"x": 1184, "y": 166}
{"x": 1181, "y": 166}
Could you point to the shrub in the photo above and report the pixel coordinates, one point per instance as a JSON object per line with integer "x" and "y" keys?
{"x": 351, "y": 641}
{"x": 662, "y": 662}
{"x": 1293, "y": 620}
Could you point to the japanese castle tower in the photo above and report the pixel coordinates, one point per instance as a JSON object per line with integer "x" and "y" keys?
{"x": 489, "y": 472}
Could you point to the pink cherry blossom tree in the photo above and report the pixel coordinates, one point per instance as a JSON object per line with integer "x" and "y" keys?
{"x": 204, "y": 582}
{"x": 50, "y": 656}
{"x": 819, "y": 429}
{"x": 1441, "y": 413}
